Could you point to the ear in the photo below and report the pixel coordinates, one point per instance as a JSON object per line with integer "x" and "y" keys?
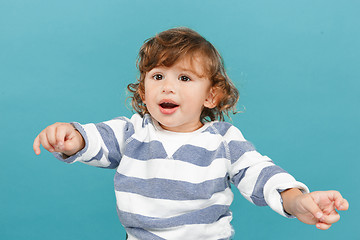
{"x": 213, "y": 98}
{"x": 141, "y": 94}
{"x": 143, "y": 98}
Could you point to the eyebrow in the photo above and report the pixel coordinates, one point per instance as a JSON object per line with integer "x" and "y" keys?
{"x": 193, "y": 72}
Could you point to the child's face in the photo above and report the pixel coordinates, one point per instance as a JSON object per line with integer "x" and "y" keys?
{"x": 175, "y": 96}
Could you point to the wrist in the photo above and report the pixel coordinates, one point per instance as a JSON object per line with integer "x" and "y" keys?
{"x": 289, "y": 197}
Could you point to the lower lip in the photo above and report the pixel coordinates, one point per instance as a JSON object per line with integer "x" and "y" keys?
{"x": 168, "y": 110}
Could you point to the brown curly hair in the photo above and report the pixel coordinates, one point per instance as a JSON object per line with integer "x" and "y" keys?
{"x": 165, "y": 49}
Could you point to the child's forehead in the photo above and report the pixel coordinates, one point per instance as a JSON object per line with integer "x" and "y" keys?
{"x": 191, "y": 63}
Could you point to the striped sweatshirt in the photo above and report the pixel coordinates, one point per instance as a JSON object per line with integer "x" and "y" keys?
{"x": 172, "y": 185}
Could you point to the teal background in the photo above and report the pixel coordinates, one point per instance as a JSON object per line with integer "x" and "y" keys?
{"x": 296, "y": 64}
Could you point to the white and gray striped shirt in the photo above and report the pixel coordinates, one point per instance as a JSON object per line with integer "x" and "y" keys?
{"x": 177, "y": 185}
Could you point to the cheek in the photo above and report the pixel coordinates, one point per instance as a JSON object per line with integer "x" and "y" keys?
{"x": 198, "y": 93}
{"x": 149, "y": 96}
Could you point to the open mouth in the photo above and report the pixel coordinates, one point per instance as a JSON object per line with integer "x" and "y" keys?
{"x": 168, "y": 105}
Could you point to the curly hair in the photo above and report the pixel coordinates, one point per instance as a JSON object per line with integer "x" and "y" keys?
{"x": 170, "y": 46}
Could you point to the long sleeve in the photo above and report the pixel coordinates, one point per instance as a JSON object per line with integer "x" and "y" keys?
{"x": 104, "y": 143}
{"x": 258, "y": 179}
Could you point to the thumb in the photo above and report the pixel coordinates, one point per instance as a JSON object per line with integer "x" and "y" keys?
{"x": 65, "y": 132}
{"x": 74, "y": 142}
{"x": 311, "y": 206}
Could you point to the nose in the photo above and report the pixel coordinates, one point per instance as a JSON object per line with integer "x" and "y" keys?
{"x": 169, "y": 85}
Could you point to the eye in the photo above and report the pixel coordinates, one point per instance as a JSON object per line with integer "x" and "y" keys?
{"x": 158, "y": 77}
{"x": 184, "y": 78}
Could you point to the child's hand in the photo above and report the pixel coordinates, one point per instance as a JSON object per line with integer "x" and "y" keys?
{"x": 59, "y": 137}
{"x": 317, "y": 208}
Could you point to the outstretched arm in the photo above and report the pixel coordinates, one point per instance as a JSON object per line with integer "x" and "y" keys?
{"x": 316, "y": 208}
{"x": 99, "y": 145}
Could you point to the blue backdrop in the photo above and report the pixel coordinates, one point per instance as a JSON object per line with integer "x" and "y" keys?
{"x": 296, "y": 64}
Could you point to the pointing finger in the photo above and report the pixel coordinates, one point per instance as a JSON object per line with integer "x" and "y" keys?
{"x": 36, "y": 145}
